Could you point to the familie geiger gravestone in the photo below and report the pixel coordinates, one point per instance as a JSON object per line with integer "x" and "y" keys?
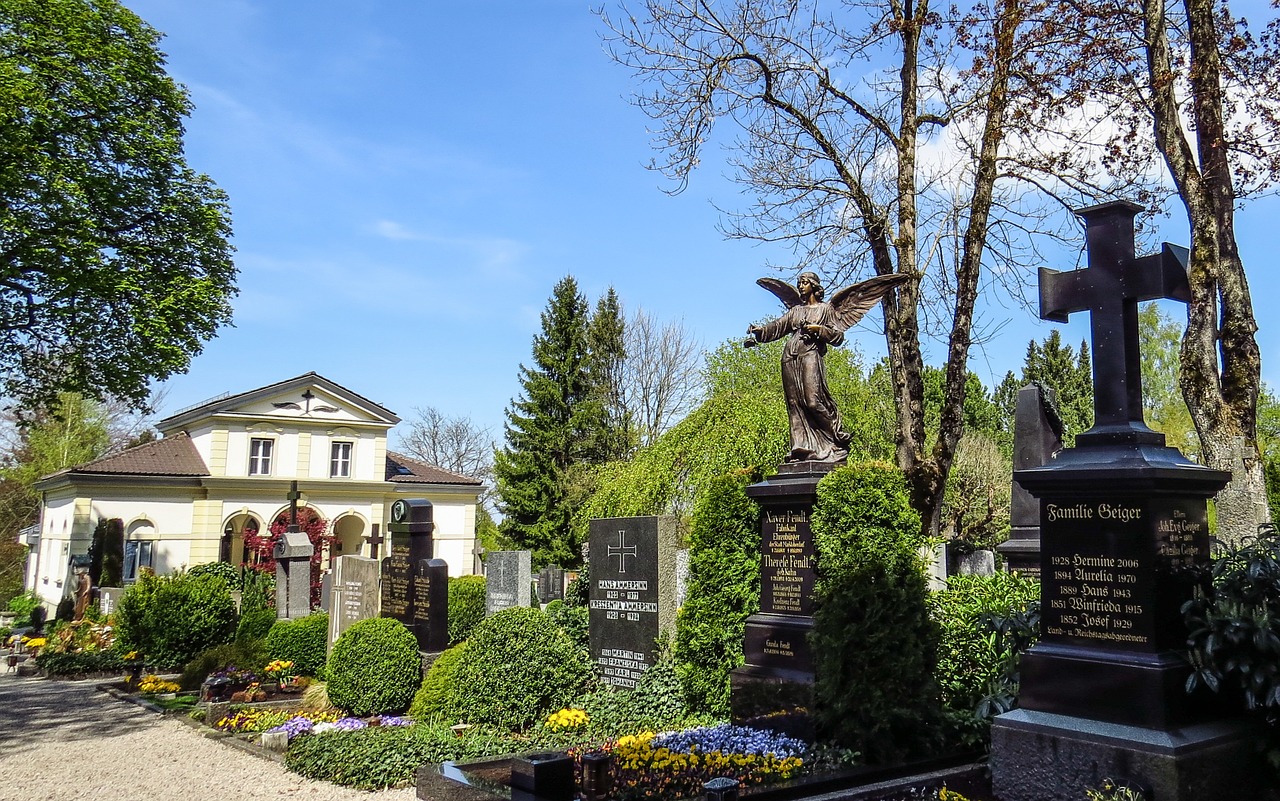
{"x": 415, "y": 586}
{"x": 1103, "y": 692}
{"x": 633, "y": 593}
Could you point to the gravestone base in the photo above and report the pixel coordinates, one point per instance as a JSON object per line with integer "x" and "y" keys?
{"x": 1039, "y": 756}
{"x": 764, "y": 700}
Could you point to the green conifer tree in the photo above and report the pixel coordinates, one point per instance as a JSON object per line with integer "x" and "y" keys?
{"x": 1070, "y": 374}
{"x": 606, "y": 343}
{"x": 548, "y": 430}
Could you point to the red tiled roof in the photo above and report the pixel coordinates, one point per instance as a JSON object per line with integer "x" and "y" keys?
{"x": 171, "y": 456}
{"x": 402, "y": 469}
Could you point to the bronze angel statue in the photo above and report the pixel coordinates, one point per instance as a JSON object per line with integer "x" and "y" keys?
{"x": 814, "y": 325}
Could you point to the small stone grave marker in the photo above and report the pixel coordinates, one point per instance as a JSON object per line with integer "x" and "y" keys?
{"x": 508, "y": 577}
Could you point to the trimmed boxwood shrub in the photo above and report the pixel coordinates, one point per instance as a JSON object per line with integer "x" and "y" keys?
{"x": 302, "y": 641}
{"x": 68, "y": 664}
{"x": 574, "y": 620}
{"x": 245, "y": 654}
{"x": 374, "y": 668}
{"x": 223, "y": 570}
{"x": 171, "y": 619}
{"x": 435, "y": 696}
{"x": 874, "y": 643}
{"x": 724, "y": 589}
{"x": 517, "y": 668}
{"x": 255, "y": 624}
{"x": 466, "y": 606}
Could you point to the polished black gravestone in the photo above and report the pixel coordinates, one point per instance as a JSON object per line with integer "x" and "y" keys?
{"x": 776, "y": 681}
{"x": 1037, "y": 436}
{"x": 413, "y": 583}
{"x": 633, "y": 592}
{"x": 1121, "y": 517}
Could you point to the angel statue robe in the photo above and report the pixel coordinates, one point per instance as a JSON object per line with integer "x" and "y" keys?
{"x": 816, "y": 433}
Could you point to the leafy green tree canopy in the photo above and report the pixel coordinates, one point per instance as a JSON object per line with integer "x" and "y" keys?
{"x": 115, "y": 267}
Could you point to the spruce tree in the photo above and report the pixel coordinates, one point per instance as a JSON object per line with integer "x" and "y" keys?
{"x": 548, "y": 429}
{"x": 1069, "y": 373}
{"x": 606, "y": 342}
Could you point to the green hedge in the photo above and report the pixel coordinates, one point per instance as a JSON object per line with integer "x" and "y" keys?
{"x": 723, "y": 590}
{"x": 223, "y": 570}
{"x": 374, "y": 668}
{"x": 573, "y": 620}
{"x": 466, "y": 606}
{"x": 517, "y": 668}
{"x": 377, "y": 757}
{"x": 303, "y": 641}
{"x": 434, "y": 697}
{"x": 171, "y": 619}
{"x": 874, "y": 643}
{"x": 69, "y": 664}
{"x": 255, "y": 624}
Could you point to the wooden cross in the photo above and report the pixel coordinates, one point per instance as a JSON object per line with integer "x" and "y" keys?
{"x": 1110, "y": 290}
{"x": 375, "y": 539}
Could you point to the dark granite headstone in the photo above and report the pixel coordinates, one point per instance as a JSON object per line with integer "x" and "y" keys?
{"x": 508, "y": 576}
{"x": 1103, "y": 693}
{"x": 355, "y": 593}
{"x": 292, "y": 553}
{"x": 431, "y": 605}
{"x": 411, "y": 545}
{"x": 551, "y": 584}
{"x": 1037, "y": 436}
{"x": 633, "y": 593}
{"x": 326, "y": 589}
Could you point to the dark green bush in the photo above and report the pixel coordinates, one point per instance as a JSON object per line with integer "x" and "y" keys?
{"x": 723, "y": 590}
{"x": 435, "y": 696}
{"x": 245, "y": 654}
{"x": 573, "y": 620}
{"x": 229, "y": 574}
{"x": 69, "y": 664}
{"x": 874, "y": 644}
{"x": 517, "y": 668}
{"x": 302, "y": 641}
{"x": 255, "y": 624}
{"x": 187, "y": 615}
{"x": 378, "y": 756}
{"x": 981, "y": 647}
{"x": 106, "y": 554}
{"x": 578, "y": 593}
{"x": 374, "y": 668}
{"x": 21, "y": 606}
{"x": 132, "y": 631}
{"x": 257, "y": 590}
{"x": 1233, "y": 621}
{"x": 466, "y": 606}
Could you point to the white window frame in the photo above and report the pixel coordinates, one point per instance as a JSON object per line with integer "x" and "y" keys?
{"x": 339, "y": 462}
{"x": 260, "y": 465}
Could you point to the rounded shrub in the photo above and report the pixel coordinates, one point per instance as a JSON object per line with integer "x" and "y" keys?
{"x": 255, "y": 624}
{"x": 574, "y": 620}
{"x": 518, "y": 667}
{"x": 435, "y": 696}
{"x": 466, "y": 606}
{"x": 188, "y": 614}
{"x": 223, "y": 570}
{"x": 302, "y": 641}
{"x": 374, "y": 667}
{"x": 874, "y": 642}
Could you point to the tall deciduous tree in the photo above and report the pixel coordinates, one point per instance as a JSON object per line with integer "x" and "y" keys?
{"x": 839, "y": 112}
{"x": 662, "y": 374}
{"x": 1190, "y": 98}
{"x": 548, "y": 431}
{"x": 115, "y": 267}
{"x": 452, "y": 443}
{"x": 1162, "y": 403}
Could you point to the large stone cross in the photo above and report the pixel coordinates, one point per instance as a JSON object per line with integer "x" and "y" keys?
{"x": 294, "y": 495}
{"x": 1110, "y": 289}
{"x": 375, "y": 539}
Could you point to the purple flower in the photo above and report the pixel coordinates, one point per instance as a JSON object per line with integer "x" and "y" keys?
{"x": 349, "y": 724}
{"x": 730, "y": 739}
{"x": 394, "y": 720}
{"x": 294, "y": 726}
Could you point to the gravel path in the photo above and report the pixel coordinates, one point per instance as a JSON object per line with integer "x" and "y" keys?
{"x": 68, "y": 740}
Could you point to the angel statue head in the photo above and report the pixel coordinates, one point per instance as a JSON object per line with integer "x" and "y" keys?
{"x": 812, "y": 325}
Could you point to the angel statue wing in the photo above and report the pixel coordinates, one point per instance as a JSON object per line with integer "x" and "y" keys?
{"x": 789, "y": 295}
{"x": 852, "y": 302}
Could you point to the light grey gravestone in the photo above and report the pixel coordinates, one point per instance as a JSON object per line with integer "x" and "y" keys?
{"x": 979, "y": 563}
{"x": 355, "y": 594}
{"x": 633, "y": 593}
{"x": 293, "y": 575}
{"x": 508, "y": 578}
{"x": 109, "y": 599}
{"x": 682, "y": 576}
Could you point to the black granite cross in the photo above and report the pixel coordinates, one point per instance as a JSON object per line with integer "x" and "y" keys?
{"x": 622, "y": 551}
{"x": 375, "y": 539}
{"x": 1110, "y": 289}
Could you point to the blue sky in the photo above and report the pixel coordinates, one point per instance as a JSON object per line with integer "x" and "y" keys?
{"x": 409, "y": 179}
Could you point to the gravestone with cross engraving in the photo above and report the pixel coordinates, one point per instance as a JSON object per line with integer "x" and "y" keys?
{"x": 633, "y": 593}
{"x": 508, "y": 577}
{"x": 1122, "y": 517}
